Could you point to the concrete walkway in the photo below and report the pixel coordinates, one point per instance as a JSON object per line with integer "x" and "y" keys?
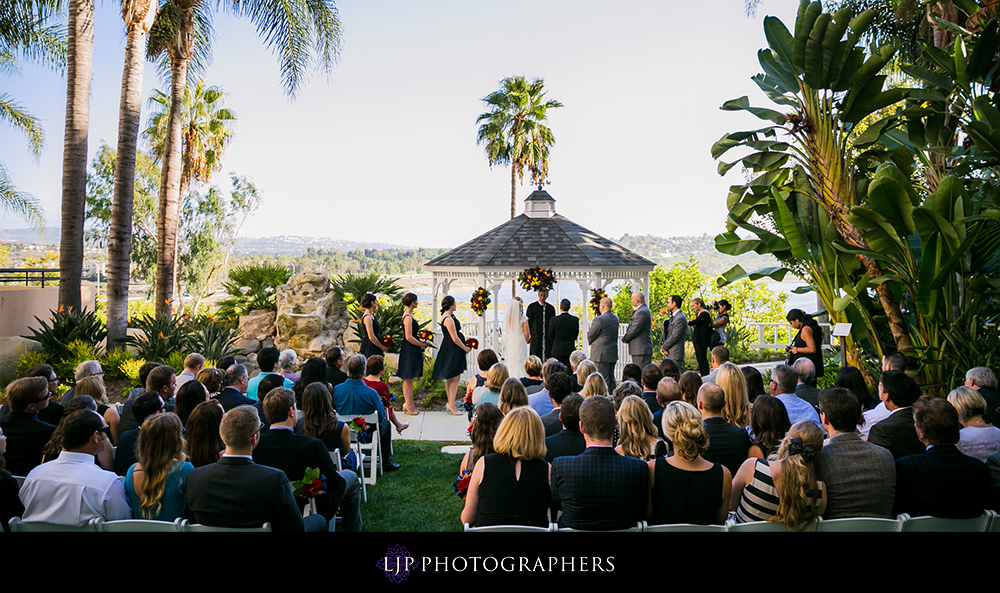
{"x": 433, "y": 426}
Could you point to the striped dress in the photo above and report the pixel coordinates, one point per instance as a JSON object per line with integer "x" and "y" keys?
{"x": 760, "y": 497}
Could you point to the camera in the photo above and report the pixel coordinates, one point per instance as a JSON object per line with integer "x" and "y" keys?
{"x": 714, "y": 306}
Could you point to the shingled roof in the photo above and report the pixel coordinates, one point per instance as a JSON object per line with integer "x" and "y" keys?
{"x": 554, "y": 241}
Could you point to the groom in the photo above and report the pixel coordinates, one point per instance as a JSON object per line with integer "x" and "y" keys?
{"x": 539, "y": 315}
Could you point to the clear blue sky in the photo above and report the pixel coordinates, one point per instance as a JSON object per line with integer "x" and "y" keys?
{"x": 385, "y": 150}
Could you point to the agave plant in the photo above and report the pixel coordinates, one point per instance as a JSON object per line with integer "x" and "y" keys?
{"x": 68, "y": 326}
{"x": 162, "y": 337}
{"x": 213, "y": 338}
{"x": 252, "y": 287}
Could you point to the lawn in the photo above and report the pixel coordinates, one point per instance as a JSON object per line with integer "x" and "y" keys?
{"x": 418, "y": 497}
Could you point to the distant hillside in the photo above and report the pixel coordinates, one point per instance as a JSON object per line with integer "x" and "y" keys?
{"x": 667, "y": 250}
{"x": 294, "y": 246}
{"x": 31, "y": 236}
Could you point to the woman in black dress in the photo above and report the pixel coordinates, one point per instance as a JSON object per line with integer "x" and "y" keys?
{"x": 450, "y": 362}
{"x": 371, "y": 341}
{"x": 320, "y": 421}
{"x": 411, "y": 353}
{"x": 702, "y": 335}
{"x": 807, "y": 342}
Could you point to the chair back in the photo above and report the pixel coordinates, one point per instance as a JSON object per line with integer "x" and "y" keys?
{"x": 17, "y": 526}
{"x": 859, "y": 525}
{"x": 187, "y": 527}
{"x": 941, "y": 525}
{"x": 138, "y": 526}
{"x": 511, "y": 528}
{"x": 685, "y": 528}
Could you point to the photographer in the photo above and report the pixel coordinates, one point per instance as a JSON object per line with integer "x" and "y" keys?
{"x": 808, "y": 342}
{"x": 720, "y": 323}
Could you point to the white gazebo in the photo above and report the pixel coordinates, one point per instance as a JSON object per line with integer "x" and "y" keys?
{"x": 542, "y": 238}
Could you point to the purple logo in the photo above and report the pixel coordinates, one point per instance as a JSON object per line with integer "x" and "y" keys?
{"x": 397, "y": 564}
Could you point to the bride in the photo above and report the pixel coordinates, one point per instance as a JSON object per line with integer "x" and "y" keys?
{"x": 517, "y": 336}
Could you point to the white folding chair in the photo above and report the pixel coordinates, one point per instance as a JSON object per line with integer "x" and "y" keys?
{"x": 187, "y": 527}
{"x": 17, "y": 526}
{"x": 760, "y": 527}
{"x": 510, "y": 529}
{"x": 367, "y": 452}
{"x": 346, "y": 419}
{"x": 138, "y": 526}
{"x": 941, "y": 525}
{"x": 637, "y": 528}
{"x": 684, "y": 528}
{"x": 859, "y": 525}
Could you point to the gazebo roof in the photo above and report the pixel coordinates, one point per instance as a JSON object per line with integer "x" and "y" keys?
{"x": 549, "y": 240}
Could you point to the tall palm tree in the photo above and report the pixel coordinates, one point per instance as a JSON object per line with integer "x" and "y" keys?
{"x": 514, "y": 133}
{"x": 297, "y": 31}
{"x": 138, "y": 17}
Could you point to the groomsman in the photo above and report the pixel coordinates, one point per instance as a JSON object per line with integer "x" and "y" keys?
{"x": 675, "y": 332}
{"x": 603, "y": 340}
{"x": 539, "y": 315}
{"x": 640, "y": 345}
{"x": 560, "y": 338}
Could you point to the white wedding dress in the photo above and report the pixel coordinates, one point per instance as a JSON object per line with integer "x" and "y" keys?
{"x": 515, "y": 350}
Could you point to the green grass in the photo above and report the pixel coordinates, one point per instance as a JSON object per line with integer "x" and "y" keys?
{"x": 418, "y": 497}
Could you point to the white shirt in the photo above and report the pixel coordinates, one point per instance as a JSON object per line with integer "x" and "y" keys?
{"x": 72, "y": 490}
{"x": 873, "y": 417}
{"x": 184, "y": 377}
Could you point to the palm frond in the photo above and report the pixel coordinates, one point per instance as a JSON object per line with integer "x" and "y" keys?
{"x": 20, "y": 203}
{"x": 15, "y": 114}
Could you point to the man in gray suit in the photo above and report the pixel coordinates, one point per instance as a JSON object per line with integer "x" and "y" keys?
{"x": 640, "y": 346}
{"x": 603, "y": 340}
{"x": 676, "y": 332}
{"x": 860, "y": 477}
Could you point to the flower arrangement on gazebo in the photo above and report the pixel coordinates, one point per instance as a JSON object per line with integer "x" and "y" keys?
{"x": 536, "y": 279}
{"x": 596, "y": 294}
{"x": 480, "y": 301}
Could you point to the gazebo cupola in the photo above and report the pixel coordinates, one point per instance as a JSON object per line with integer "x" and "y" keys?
{"x": 539, "y": 205}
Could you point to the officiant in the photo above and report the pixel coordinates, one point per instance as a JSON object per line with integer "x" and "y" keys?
{"x": 539, "y": 315}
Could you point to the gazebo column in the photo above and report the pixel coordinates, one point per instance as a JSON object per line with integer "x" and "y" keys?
{"x": 586, "y": 286}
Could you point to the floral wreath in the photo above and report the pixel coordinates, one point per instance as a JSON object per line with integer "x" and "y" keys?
{"x": 536, "y": 279}
{"x": 596, "y": 294}
{"x": 480, "y": 301}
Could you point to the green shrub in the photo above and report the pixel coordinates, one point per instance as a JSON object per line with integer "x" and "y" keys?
{"x": 78, "y": 351}
{"x": 66, "y": 327}
{"x": 176, "y": 360}
{"x": 252, "y": 287}
{"x": 213, "y": 338}
{"x": 112, "y": 361}
{"x": 163, "y": 336}
{"x": 130, "y": 370}
{"x": 27, "y": 358}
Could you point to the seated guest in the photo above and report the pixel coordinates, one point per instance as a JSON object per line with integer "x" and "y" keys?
{"x": 26, "y": 434}
{"x": 128, "y": 421}
{"x": 236, "y": 382}
{"x": 87, "y": 368}
{"x": 236, "y": 492}
{"x": 213, "y": 379}
{"x": 860, "y": 477}
{"x": 783, "y": 380}
{"x": 10, "y": 503}
{"x": 94, "y": 387}
{"x": 490, "y": 391}
{"x": 204, "y": 443}
{"x": 105, "y": 459}
{"x": 319, "y": 420}
{"x": 52, "y": 413}
{"x": 512, "y": 395}
{"x": 264, "y": 387}
{"x": 720, "y": 356}
{"x": 806, "y": 387}
{"x": 532, "y": 380}
{"x": 539, "y": 400}
{"x": 374, "y": 367}
{"x": 575, "y": 358}
{"x": 941, "y": 482}
{"x": 313, "y": 371}
{"x": 72, "y": 490}
{"x": 267, "y": 359}
{"x": 162, "y": 380}
{"x": 651, "y": 376}
{"x": 334, "y": 359}
{"x": 727, "y": 444}
{"x": 852, "y": 380}
{"x": 595, "y": 385}
{"x": 354, "y": 397}
{"x": 896, "y": 433}
{"x": 977, "y": 439}
{"x": 633, "y": 372}
{"x": 511, "y": 486}
{"x": 768, "y": 425}
{"x": 638, "y": 435}
{"x": 155, "y": 484}
{"x": 193, "y": 364}
{"x": 734, "y": 385}
{"x": 281, "y": 448}
{"x": 225, "y": 362}
{"x": 686, "y": 487}
{"x": 783, "y": 490}
{"x": 984, "y": 381}
{"x": 623, "y": 390}
{"x": 690, "y": 382}
{"x": 585, "y": 369}
{"x": 993, "y": 463}
{"x": 755, "y": 383}
{"x": 569, "y": 441}
{"x": 556, "y": 389}
{"x": 144, "y": 406}
{"x": 189, "y": 396}
{"x": 485, "y": 422}
{"x": 599, "y": 489}
{"x": 670, "y": 369}
{"x": 667, "y": 390}
{"x": 286, "y": 365}
{"x": 485, "y": 360}
{"x": 894, "y": 361}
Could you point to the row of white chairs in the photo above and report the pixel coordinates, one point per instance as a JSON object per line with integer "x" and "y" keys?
{"x": 989, "y": 521}
{"x": 128, "y": 526}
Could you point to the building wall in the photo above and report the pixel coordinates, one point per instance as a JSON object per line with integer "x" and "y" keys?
{"x": 19, "y": 305}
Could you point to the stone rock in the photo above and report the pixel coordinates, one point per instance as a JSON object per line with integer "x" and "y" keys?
{"x": 244, "y": 359}
{"x": 310, "y": 317}
{"x": 267, "y": 342}
{"x": 257, "y": 323}
{"x": 247, "y": 345}
{"x": 10, "y": 349}
{"x": 251, "y": 358}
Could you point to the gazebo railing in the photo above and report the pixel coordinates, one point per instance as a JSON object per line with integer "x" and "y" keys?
{"x": 29, "y": 275}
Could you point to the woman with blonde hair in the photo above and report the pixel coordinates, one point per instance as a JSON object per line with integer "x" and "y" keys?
{"x": 977, "y": 438}
{"x": 685, "y": 488}
{"x": 490, "y": 392}
{"x": 512, "y": 395}
{"x": 155, "y": 484}
{"x": 637, "y": 436}
{"x": 783, "y": 489}
{"x": 94, "y": 387}
{"x": 511, "y": 486}
{"x": 595, "y": 385}
{"x": 737, "y": 409}
{"x": 584, "y": 370}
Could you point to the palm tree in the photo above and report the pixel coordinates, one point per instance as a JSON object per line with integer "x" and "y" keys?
{"x": 138, "y": 16}
{"x": 294, "y": 30}
{"x": 514, "y": 133}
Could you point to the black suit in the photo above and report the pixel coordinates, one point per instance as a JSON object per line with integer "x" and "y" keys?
{"x": 565, "y": 443}
{"x": 230, "y": 397}
{"x": 897, "y": 434}
{"x": 808, "y": 393}
{"x": 236, "y": 492}
{"x": 992, "y": 415}
{"x": 727, "y": 444}
{"x": 26, "y": 437}
{"x": 292, "y": 454}
{"x": 335, "y": 376}
{"x": 600, "y": 490}
{"x": 650, "y": 398}
{"x": 552, "y": 423}
{"x": 50, "y": 414}
{"x": 127, "y": 452}
{"x": 538, "y": 324}
{"x": 560, "y": 338}
{"x": 941, "y": 483}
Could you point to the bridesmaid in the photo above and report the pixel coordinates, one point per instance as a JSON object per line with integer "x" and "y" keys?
{"x": 450, "y": 362}
{"x": 371, "y": 341}
{"x": 411, "y": 353}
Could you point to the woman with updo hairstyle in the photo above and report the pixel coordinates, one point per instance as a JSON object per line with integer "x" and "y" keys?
{"x": 808, "y": 342}
{"x": 511, "y": 486}
{"x": 512, "y": 395}
{"x": 734, "y": 385}
{"x": 411, "y": 353}
{"x": 690, "y": 382}
{"x": 371, "y": 338}
{"x": 768, "y": 425}
{"x": 450, "y": 362}
{"x": 155, "y": 484}
{"x": 784, "y": 488}
{"x": 977, "y": 438}
{"x": 637, "y": 435}
{"x": 686, "y": 488}
{"x": 94, "y": 387}
{"x": 486, "y": 359}
{"x": 755, "y": 383}
{"x": 595, "y": 385}
{"x": 485, "y": 422}
{"x": 211, "y": 378}
{"x": 670, "y": 369}
{"x": 204, "y": 443}
{"x": 584, "y": 370}
{"x": 490, "y": 392}
{"x": 319, "y": 420}
{"x": 187, "y": 398}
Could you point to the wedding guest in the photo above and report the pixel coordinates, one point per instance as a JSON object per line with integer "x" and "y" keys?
{"x": 734, "y": 384}
{"x": 623, "y": 390}
{"x": 783, "y": 490}
{"x": 667, "y": 390}
{"x": 532, "y": 380}
{"x": 755, "y": 383}
{"x": 266, "y": 385}
{"x": 575, "y": 358}
{"x": 585, "y": 369}
{"x": 719, "y": 357}
{"x": 189, "y": 396}
{"x": 128, "y": 421}
{"x": 193, "y": 363}
{"x": 702, "y": 334}
{"x": 512, "y": 396}
{"x": 569, "y": 441}
{"x": 977, "y": 439}
{"x": 26, "y": 435}
{"x": 87, "y": 368}
{"x": 371, "y": 338}
{"x": 783, "y": 380}
{"x": 146, "y": 405}
{"x": 236, "y": 382}
{"x": 374, "y": 368}
{"x": 728, "y": 444}
{"x": 690, "y": 382}
{"x": 485, "y": 422}
{"x": 212, "y": 379}
{"x": 651, "y": 376}
{"x": 225, "y": 362}
{"x": 319, "y": 420}
{"x": 540, "y": 400}
{"x": 94, "y": 387}
{"x": 556, "y": 390}
{"x": 896, "y": 433}
{"x": 485, "y": 361}
{"x": 334, "y": 358}
{"x": 155, "y": 484}
{"x": 52, "y": 413}
{"x": 450, "y": 362}
{"x": 806, "y": 387}
{"x": 353, "y": 397}
{"x": 313, "y": 371}
{"x": 204, "y": 444}
{"x": 411, "y": 354}
{"x": 163, "y": 381}
{"x": 267, "y": 360}
{"x": 984, "y": 381}
{"x": 595, "y": 385}
{"x": 894, "y": 361}
{"x": 685, "y": 487}
{"x": 632, "y": 372}
{"x": 490, "y": 392}
{"x": 852, "y": 380}
{"x": 638, "y": 435}
{"x": 768, "y": 425}
{"x": 286, "y": 364}
{"x": 10, "y": 503}
{"x": 105, "y": 459}
{"x": 670, "y": 369}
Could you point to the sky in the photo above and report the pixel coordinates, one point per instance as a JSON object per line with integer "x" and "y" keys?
{"x": 384, "y": 150}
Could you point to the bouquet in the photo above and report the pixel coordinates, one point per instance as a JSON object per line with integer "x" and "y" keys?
{"x": 388, "y": 342}
{"x": 461, "y": 486}
{"x": 596, "y": 294}
{"x": 311, "y": 485}
{"x": 480, "y": 301}
{"x": 472, "y": 343}
{"x": 536, "y": 279}
{"x": 468, "y": 406}
{"x": 359, "y": 426}
{"x": 426, "y": 335}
